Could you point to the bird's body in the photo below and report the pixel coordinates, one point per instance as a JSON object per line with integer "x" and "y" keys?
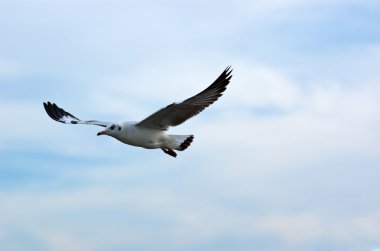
{"x": 143, "y": 137}
{"x": 148, "y": 138}
{"x": 150, "y": 133}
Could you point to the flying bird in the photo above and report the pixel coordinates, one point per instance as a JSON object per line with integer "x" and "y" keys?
{"x": 150, "y": 133}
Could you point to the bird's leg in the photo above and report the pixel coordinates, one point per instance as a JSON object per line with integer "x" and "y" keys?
{"x": 169, "y": 151}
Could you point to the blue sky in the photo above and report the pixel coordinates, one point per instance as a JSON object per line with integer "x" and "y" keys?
{"x": 287, "y": 159}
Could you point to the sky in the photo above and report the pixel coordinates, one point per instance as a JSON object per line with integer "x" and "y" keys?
{"x": 288, "y": 159}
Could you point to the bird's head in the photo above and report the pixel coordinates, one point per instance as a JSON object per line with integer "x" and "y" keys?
{"x": 112, "y": 130}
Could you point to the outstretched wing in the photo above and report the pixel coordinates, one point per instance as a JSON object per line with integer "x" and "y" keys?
{"x": 60, "y": 115}
{"x": 177, "y": 113}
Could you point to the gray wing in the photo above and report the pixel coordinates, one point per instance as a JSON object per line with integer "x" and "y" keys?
{"x": 177, "y": 113}
{"x": 60, "y": 115}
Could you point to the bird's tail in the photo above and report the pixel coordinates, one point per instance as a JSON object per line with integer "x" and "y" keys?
{"x": 183, "y": 141}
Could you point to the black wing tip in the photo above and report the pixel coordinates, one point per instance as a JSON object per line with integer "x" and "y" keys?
{"x": 48, "y": 103}
{"x": 223, "y": 80}
{"x": 225, "y": 76}
{"x": 227, "y": 72}
{"x": 220, "y": 84}
{"x": 55, "y": 112}
{"x": 49, "y": 108}
{"x": 229, "y": 68}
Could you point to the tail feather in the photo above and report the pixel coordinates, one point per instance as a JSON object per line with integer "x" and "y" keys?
{"x": 186, "y": 143}
{"x": 183, "y": 141}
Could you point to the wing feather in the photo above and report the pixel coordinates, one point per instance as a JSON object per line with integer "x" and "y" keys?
{"x": 60, "y": 115}
{"x": 177, "y": 113}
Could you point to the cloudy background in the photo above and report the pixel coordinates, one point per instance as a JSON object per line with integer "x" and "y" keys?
{"x": 288, "y": 159}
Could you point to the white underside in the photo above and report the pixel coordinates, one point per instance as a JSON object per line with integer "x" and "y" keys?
{"x": 145, "y": 137}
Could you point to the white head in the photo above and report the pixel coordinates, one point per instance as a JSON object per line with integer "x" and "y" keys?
{"x": 112, "y": 130}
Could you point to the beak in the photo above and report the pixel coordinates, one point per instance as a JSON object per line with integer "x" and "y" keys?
{"x": 102, "y": 132}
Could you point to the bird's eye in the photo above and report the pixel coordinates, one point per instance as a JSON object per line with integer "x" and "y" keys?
{"x": 112, "y": 127}
{"x": 119, "y": 128}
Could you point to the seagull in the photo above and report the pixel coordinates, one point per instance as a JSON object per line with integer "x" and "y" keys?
{"x": 150, "y": 133}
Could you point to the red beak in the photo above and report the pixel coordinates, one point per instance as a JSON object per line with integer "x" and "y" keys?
{"x": 102, "y": 132}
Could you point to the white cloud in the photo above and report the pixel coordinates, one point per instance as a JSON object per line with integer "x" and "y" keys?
{"x": 296, "y": 229}
{"x": 8, "y": 68}
{"x": 18, "y": 120}
{"x": 255, "y": 85}
{"x": 369, "y": 225}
